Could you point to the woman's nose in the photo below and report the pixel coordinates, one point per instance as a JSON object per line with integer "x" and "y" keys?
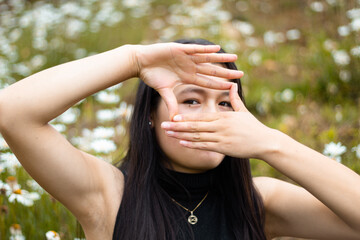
{"x": 210, "y": 107}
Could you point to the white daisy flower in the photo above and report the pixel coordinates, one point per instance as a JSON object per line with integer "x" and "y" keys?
{"x": 24, "y": 197}
{"x": 5, "y": 189}
{"x": 9, "y": 162}
{"x": 244, "y": 28}
{"x": 52, "y": 235}
{"x": 355, "y": 24}
{"x": 334, "y": 150}
{"x": 355, "y": 51}
{"x": 317, "y": 6}
{"x": 69, "y": 116}
{"x": 356, "y": 149}
{"x": 16, "y": 233}
{"x": 38, "y": 61}
{"x": 269, "y": 38}
{"x": 344, "y": 30}
{"x": 17, "y": 237}
{"x": 21, "y": 69}
{"x": 293, "y": 34}
{"x": 102, "y": 132}
{"x": 107, "y": 98}
{"x": 287, "y": 95}
{"x": 341, "y": 57}
{"x": 13, "y": 183}
{"x": 35, "y": 186}
{"x": 105, "y": 115}
{"x": 353, "y": 13}
{"x": 103, "y": 146}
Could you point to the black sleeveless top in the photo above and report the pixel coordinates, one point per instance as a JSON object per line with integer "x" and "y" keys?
{"x": 212, "y": 223}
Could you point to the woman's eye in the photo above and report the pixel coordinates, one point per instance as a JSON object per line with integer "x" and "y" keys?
{"x": 225, "y": 104}
{"x": 191, "y": 102}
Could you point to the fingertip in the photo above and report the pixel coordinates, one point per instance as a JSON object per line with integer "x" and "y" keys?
{"x": 177, "y": 118}
{"x": 165, "y": 125}
{"x": 171, "y": 116}
{"x": 213, "y": 48}
{"x": 234, "y": 56}
{"x": 172, "y": 112}
{"x": 234, "y": 87}
{"x": 184, "y": 143}
{"x": 227, "y": 85}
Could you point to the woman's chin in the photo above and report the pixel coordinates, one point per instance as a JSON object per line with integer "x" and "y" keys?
{"x": 207, "y": 155}
{"x": 199, "y": 161}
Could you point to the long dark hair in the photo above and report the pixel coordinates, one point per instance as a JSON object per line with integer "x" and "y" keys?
{"x": 147, "y": 211}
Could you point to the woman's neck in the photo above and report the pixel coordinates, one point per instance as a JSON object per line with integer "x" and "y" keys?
{"x": 186, "y": 185}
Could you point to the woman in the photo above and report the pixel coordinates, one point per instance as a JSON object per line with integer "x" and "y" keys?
{"x": 184, "y": 178}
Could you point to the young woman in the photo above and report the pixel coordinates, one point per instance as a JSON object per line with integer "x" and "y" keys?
{"x": 186, "y": 174}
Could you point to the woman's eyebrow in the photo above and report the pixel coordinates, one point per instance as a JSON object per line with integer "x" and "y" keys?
{"x": 199, "y": 91}
{"x": 192, "y": 90}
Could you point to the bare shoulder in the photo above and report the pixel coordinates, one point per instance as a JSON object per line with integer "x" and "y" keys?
{"x": 272, "y": 191}
{"x": 270, "y": 188}
{"x": 266, "y": 186}
{"x": 290, "y": 210}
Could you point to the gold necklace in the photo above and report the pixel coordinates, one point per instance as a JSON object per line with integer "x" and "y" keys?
{"x": 192, "y": 219}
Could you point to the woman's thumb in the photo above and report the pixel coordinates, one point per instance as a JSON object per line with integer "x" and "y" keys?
{"x": 170, "y": 101}
{"x": 235, "y": 99}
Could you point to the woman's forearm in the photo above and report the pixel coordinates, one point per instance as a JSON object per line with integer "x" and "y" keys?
{"x": 43, "y": 96}
{"x": 332, "y": 183}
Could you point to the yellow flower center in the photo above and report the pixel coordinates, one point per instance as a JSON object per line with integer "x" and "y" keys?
{"x": 11, "y": 178}
{"x": 16, "y": 226}
{"x": 17, "y": 191}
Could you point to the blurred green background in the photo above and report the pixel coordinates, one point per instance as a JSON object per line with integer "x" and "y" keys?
{"x": 301, "y": 61}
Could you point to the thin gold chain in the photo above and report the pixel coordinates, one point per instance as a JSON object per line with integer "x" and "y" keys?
{"x": 194, "y": 208}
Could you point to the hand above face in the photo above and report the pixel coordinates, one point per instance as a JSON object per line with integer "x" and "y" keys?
{"x": 235, "y": 133}
{"x": 164, "y": 66}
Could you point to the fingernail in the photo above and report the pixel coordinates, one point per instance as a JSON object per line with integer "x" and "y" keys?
{"x": 169, "y": 133}
{"x": 183, "y": 142}
{"x": 177, "y": 118}
{"x": 236, "y": 87}
{"x": 165, "y": 125}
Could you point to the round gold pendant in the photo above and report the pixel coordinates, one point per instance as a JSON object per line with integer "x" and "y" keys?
{"x": 192, "y": 219}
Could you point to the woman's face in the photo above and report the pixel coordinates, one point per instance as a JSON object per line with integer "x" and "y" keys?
{"x": 191, "y": 99}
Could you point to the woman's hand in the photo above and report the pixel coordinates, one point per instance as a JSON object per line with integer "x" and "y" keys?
{"x": 237, "y": 134}
{"x": 166, "y": 65}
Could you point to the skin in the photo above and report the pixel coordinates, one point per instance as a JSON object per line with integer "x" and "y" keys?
{"x": 323, "y": 207}
{"x": 191, "y": 99}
